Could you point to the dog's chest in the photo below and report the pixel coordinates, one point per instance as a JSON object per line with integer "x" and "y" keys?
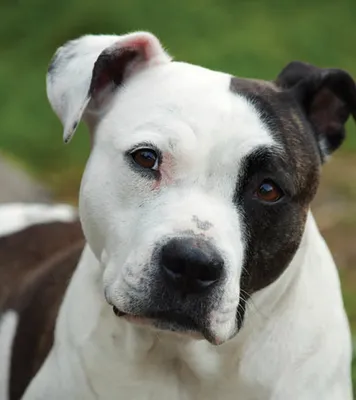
{"x": 146, "y": 382}
{"x": 171, "y": 379}
{"x": 165, "y": 386}
{"x": 161, "y": 374}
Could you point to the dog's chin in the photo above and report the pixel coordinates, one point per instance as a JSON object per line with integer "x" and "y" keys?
{"x": 170, "y": 321}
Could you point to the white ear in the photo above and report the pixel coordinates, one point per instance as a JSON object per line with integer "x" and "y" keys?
{"x": 84, "y": 72}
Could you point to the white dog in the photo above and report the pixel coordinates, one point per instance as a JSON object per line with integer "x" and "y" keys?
{"x": 195, "y": 205}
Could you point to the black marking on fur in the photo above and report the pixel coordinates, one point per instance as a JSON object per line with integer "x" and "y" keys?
{"x": 273, "y": 231}
{"x": 111, "y": 68}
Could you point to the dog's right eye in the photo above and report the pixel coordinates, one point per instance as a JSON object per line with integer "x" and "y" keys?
{"x": 269, "y": 192}
{"x": 146, "y": 158}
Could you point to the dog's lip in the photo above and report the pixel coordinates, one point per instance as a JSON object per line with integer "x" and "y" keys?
{"x": 130, "y": 317}
{"x": 147, "y": 320}
{"x": 118, "y": 312}
{"x": 136, "y": 319}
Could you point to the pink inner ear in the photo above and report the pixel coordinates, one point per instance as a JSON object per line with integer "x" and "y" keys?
{"x": 146, "y": 44}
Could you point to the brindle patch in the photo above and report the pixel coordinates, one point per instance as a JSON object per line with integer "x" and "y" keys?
{"x": 23, "y": 252}
{"x": 274, "y": 231}
{"x": 36, "y": 265}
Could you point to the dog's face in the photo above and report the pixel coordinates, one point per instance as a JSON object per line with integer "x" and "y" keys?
{"x": 198, "y": 186}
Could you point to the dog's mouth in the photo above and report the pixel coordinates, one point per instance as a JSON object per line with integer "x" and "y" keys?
{"x": 170, "y": 321}
{"x": 117, "y": 312}
{"x": 135, "y": 319}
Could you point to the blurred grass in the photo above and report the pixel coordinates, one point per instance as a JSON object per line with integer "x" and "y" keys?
{"x": 246, "y": 38}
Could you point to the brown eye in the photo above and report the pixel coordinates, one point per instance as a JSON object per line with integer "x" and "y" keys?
{"x": 269, "y": 192}
{"x": 146, "y": 158}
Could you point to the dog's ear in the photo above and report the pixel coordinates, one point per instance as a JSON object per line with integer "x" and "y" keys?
{"x": 327, "y": 97}
{"x": 84, "y": 73}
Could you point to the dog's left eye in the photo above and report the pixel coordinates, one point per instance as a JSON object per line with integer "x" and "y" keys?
{"x": 269, "y": 192}
{"x": 146, "y": 158}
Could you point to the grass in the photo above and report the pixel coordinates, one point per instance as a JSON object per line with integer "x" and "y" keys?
{"x": 252, "y": 38}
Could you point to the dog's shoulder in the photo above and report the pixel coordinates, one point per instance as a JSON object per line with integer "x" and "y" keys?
{"x": 36, "y": 264}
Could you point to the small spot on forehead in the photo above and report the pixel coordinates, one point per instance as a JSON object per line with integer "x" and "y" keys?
{"x": 203, "y": 225}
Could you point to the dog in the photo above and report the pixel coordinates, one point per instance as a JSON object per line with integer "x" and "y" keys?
{"x": 204, "y": 275}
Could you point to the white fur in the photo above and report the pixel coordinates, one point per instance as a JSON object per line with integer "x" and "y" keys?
{"x": 295, "y": 343}
{"x": 17, "y": 216}
{"x": 8, "y": 325}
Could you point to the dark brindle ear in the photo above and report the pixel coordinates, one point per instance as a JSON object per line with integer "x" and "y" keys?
{"x": 327, "y": 96}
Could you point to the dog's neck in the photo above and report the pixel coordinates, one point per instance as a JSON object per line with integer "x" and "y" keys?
{"x": 113, "y": 354}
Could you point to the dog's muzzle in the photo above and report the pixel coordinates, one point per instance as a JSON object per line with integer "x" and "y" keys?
{"x": 185, "y": 287}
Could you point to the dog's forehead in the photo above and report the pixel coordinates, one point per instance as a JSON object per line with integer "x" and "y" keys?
{"x": 188, "y": 105}
{"x": 280, "y": 112}
{"x": 184, "y": 102}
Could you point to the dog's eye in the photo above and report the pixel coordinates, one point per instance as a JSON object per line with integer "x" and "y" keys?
{"x": 146, "y": 158}
{"x": 269, "y": 192}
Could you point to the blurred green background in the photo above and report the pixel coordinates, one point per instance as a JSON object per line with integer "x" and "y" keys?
{"x": 245, "y": 38}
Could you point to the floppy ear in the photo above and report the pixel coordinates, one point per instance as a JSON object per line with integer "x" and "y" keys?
{"x": 327, "y": 97}
{"x": 85, "y": 72}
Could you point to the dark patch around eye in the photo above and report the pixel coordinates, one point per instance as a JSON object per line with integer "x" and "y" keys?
{"x": 263, "y": 164}
{"x": 272, "y": 231}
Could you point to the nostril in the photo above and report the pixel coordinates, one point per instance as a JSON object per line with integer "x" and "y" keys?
{"x": 174, "y": 273}
{"x": 190, "y": 264}
{"x": 174, "y": 266}
{"x": 209, "y": 272}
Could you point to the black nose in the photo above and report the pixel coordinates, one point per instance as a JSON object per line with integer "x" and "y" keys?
{"x": 190, "y": 264}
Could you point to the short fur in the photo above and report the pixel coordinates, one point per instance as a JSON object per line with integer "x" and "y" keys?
{"x": 266, "y": 328}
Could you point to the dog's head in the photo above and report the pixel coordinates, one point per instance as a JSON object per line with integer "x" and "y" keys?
{"x": 198, "y": 186}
